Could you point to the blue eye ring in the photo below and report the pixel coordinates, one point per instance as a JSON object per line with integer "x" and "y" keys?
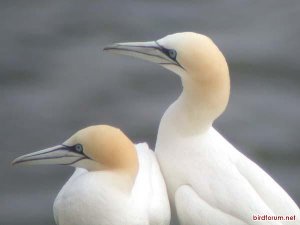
{"x": 172, "y": 53}
{"x": 78, "y": 148}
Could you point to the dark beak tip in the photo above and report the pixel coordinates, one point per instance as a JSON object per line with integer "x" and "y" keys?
{"x": 109, "y": 47}
{"x": 15, "y": 162}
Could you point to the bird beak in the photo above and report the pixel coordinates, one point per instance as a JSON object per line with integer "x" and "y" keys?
{"x": 150, "y": 51}
{"x": 57, "y": 155}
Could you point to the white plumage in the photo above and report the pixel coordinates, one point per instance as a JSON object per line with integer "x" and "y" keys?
{"x": 209, "y": 182}
{"x": 102, "y": 192}
{"x": 94, "y": 197}
{"x": 218, "y": 183}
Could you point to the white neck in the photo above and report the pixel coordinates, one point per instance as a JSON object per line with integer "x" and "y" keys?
{"x": 199, "y": 104}
{"x": 181, "y": 119}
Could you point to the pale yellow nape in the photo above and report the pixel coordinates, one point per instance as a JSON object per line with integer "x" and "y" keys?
{"x": 108, "y": 146}
{"x": 205, "y": 77}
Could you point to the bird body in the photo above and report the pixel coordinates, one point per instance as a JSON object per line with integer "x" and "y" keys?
{"x": 91, "y": 197}
{"x": 228, "y": 187}
{"x": 114, "y": 183}
{"x": 209, "y": 181}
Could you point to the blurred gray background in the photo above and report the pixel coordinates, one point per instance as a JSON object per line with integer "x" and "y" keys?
{"x": 55, "y": 79}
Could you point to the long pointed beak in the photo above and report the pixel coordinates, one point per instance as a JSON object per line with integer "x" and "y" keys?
{"x": 149, "y": 51}
{"x": 57, "y": 155}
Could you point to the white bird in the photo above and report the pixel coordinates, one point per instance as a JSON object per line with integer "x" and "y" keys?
{"x": 115, "y": 181}
{"x": 208, "y": 180}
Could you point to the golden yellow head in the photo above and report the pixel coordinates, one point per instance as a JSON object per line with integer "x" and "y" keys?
{"x": 99, "y": 147}
{"x": 197, "y": 60}
{"x": 197, "y": 54}
{"x": 187, "y": 54}
{"x": 106, "y": 145}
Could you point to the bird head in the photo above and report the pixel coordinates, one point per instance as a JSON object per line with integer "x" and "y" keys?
{"x": 200, "y": 64}
{"x": 99, "y": 147}
{"x": 190, "y": 55}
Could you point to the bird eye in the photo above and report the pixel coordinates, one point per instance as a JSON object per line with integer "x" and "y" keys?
{"x": 172, "y": 54}
{"x": 79, "y": 148}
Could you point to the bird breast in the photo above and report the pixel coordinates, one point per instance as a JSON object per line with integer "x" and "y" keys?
{"x": 92, "y": 198}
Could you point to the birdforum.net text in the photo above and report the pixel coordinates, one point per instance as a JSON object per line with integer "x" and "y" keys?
{"x": 268, "y": 217}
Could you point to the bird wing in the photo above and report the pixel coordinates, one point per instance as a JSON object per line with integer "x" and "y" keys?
{"x": 193, "y": 210}
{"x": 262, "y": 183}
{"x": 237, "y": 177}
{"x": 271, "y": 193}
{"x": 150, "y": 180}
{"x": 219, "y": 193}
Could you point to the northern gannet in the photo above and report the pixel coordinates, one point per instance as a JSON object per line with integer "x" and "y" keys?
{"x": 208, "y": 180}
{"x": 115, "y": 181}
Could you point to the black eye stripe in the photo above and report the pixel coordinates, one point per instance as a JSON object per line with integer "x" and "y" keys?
{"x": 78, "y": 148}
{"x": 171, "y": 53}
